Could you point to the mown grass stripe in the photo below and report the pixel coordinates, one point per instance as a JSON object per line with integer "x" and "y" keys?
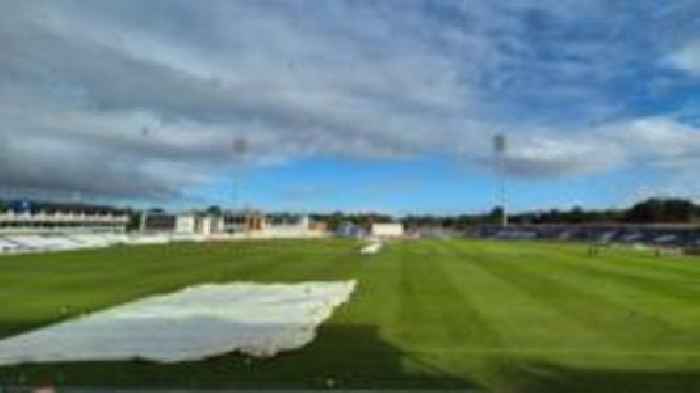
{"x": 428, "y": 321}
{"x": 681, "y": 266}
{"x": 574, "y": 300}
{"x": 507, "y": 306}
{"x": 659, "y": 268}
{"x": 685, "y": 291}
{"x": 644, "y": 297}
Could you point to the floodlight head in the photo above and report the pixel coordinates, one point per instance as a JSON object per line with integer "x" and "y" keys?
{"x": 499, "y": 143}
{"x": 240, "y": 146}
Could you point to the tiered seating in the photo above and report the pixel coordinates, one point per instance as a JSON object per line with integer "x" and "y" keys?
{"x": 632, "y": 237}
{"x": 666, "y": 239}
{"x": 606, "y": 237}
{"x": 60, "y": 243}
{"x": 49, "y": 243}
{"x": 54, "y": 242}
{"x": 90, "y": 240}
{"x": 513, "y": 234}
{"x": 115, "y": 238}
{"x": 565, "y": 235}
{"x": 149, "y": 239}
{"x": 8, "y": 246}
{"x": 186, "y": 237}
{"x": 31, "y": 242}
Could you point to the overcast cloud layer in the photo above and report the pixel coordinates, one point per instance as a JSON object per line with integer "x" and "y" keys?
{"x": 144, "y": 99}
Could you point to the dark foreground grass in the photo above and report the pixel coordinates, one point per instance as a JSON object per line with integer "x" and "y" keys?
{"x": 521, "y": 317}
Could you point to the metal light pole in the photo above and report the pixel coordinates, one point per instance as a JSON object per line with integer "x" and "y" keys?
{"x": 239, "y": 147}
{"x": 500, "y": 147}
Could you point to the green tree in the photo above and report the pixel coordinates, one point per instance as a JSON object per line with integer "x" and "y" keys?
{"x": 577, "y": 215}
{"x": 656, "y": 210}
{"x": 214, "y": 210}
{"x": 496, "y": 215}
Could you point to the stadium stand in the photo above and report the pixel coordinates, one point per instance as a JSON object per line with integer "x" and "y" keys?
{"x": 183, "y": 237}
{"x": 30, "y": 242}
{"x": 7, "y": 246}
{"x": 659, "y": 235}
{"x": 631, "y": 237}
{"x": 149, "y": 239}
{"x": 606, "y": 237}
{"x": 516, "y": 235}
{"x": 89, "y": 240}
{"x": 666, "y": 239}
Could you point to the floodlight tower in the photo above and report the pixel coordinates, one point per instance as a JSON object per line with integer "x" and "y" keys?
{"x": 239, "y": 148}
{"x": 500, "y": 147}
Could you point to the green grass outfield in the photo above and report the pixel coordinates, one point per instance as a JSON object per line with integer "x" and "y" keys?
{"x": 522, "y": 317}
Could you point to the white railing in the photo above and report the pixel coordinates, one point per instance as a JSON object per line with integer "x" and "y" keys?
{"x": 43, "y": 217}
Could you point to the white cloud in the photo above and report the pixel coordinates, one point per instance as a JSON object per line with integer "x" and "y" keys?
{"x": 144, "y": 99}
{"x": 687, "y": 58}
{"x": 654, "y": 142}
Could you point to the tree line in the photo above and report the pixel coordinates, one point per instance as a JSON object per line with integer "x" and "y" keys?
{"x": 650, "y": 211}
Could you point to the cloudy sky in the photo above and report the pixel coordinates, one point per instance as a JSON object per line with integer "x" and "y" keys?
{"x": 323, "y": 105}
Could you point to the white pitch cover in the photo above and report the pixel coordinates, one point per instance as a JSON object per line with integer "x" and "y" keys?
{"x": 197, "y": 322}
